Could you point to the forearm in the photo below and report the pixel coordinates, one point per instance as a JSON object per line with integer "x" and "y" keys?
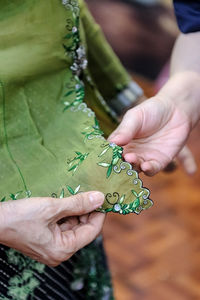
{"x": 186, "y": 54}
{"x": 184, "y": 85}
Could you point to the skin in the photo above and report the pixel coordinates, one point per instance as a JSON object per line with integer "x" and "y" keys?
{"x": 51, "y": 230}
{"x": 154, "y": 132}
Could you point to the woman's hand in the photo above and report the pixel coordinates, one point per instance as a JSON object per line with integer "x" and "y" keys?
{"x": 185, "y": 157}
{"x": 51, "y": 230}
{"x": 154, "y": 132}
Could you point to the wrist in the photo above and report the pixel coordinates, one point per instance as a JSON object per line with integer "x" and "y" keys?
{"x": 183, "y": 90}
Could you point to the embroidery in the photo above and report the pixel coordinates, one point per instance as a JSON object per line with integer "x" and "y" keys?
{"x": 62, "y": 194}
{"x": 80, "y": 94}
{"x": 75, "y": 191}
{"x": 16, "y": 195}
{"x": 123, "y": 208}
{"x": 83, "y": 107}
{"x": 76, "y": 161}
{"x": 93, "y": 131}
{"x": 78, "y": 54}
{"x": 73, "y": 6}
{"x": 117, "y": 154}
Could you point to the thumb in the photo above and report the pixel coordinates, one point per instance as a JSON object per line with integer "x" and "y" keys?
{"x": 128, "y": 128}
{"x": 77, "y": 205}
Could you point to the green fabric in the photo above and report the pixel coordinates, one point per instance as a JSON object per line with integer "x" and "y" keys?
{"x": 108, "y": 73}
{"x": 50, "y": 142}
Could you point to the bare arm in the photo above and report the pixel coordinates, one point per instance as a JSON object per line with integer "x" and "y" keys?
{"x": 185, "y": 69}
{"x": 154, "y": 132}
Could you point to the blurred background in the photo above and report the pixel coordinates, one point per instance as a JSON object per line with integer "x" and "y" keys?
{"x": 154, "y": 256}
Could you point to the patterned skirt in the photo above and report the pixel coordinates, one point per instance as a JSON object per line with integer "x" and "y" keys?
{"x": 84, "y": 276}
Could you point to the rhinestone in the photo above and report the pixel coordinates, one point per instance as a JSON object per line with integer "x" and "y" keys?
{"x": 81, "y": 52}
{"x": 78, "y": 86}
{"x": 74, "y": 29}
{"x": 84, "y": 64}
{"x": 117, "y": 207}
{"x": 64, "y": 2}
{"x": 112, "y": 145}
{"x": 130, "y": 172}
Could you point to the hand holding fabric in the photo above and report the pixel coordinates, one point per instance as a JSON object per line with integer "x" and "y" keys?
{"x": 154, "y": 132}
{"x": 51, "y": 230}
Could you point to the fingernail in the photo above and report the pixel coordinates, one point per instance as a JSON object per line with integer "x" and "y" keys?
{"x": 96, "y": 199}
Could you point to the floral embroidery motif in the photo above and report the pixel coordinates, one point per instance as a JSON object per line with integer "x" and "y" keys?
{"x": 16, "y": 195}
{"x": 80, "y": 61}
{"x": 73, "y": 6}
{"x": 80, "y": 94}
{"x": 62, "y": 194}
{"x": 77, "y": 161}
{"x": 75, "y": 191}
{"x": 78, "y": 54}
{"x": 117, "y": 154}
{"x": 70, "y": 190}
{"x": 93, "y": 131}
{"x": 83, "y": 107}
{"x": 123, "y": 208}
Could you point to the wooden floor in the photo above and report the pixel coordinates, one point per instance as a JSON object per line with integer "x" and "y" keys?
{"x": 156, "y": 256}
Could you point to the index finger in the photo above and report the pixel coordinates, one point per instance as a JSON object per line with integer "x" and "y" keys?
{"x": 85, "y": 233}
{"x": 76, "y": 205}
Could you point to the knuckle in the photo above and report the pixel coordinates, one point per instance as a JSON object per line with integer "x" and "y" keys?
{"x": 79, "y": 202}
{"x": 128, "y": 114}
{"x": 51, "y": 206}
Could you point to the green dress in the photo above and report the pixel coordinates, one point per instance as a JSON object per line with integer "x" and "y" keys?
{"x": 55, "y": 71}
